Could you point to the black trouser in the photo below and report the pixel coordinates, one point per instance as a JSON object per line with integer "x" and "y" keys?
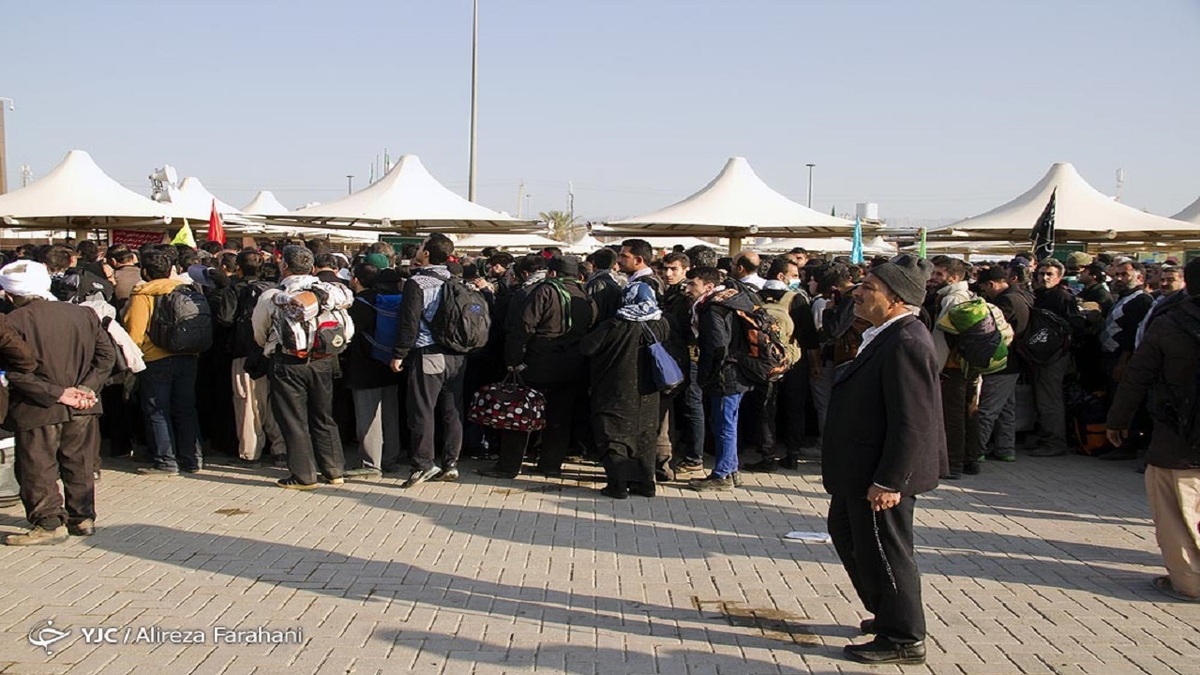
{"x": 687, "y": 418}
{"x": 956, "y": 395}
{"x": 66, "y": 451}
{"x": 563, "y": 402}
{"x": 792, "y": 408}
{"x": 876, "y": 548}
{"x": 513, "y": 445}
{"x": 434, "y": 394}
{"x": 302, "y": 400}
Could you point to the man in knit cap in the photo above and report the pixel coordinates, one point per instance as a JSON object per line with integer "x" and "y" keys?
{"x": 885, "y": 444}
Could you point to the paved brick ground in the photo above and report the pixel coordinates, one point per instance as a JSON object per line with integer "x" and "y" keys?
{"x": 1042, "y": 566}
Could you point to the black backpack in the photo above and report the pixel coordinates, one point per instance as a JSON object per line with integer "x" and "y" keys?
{"x": 1046, "y": 339}
{"x": 759, "y": 351}
{"x": 241, "y": 338}
{"x": 462, "y": 320}
{"x": 182, "y": 321}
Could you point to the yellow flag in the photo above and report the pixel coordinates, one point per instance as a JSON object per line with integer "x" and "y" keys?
{"x": 184, "y": 235}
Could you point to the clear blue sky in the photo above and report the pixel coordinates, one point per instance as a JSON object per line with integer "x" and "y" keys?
{"x": 932, "y": 108}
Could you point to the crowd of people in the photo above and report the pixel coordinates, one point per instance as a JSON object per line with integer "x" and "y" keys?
{"x": 283, "y": 355}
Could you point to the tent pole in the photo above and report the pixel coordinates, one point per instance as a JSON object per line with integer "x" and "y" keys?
{"x": 735, "y": 244}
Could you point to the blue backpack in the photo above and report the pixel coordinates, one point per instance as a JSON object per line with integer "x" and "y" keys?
{"x": 387, "y": 326}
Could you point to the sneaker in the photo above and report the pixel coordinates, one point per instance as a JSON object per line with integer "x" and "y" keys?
{"x": 1003, "y": 456}
{"x": 191, "y": 471}
{"x": 335, "y": 481}
{"x": 155, "y": 471}
{"x": 84, "y": 528}
{"x": 449, "y": 475}
{"x": 293, "y": 483}
{"x": 737, "y": 479}
{"x": 972, "y": 468}
{"x": 712, "y": 483}
{"x": 689, "y": 465}
{"x": 38, "y": 537}
{"x": 765, "y": 465}
{"x": 419, "y": 476}
{"x": 1047, "y": 451}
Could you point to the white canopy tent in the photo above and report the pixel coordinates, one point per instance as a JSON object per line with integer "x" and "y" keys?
{"x": 736, "y": 204}
{"x": 78, "y": 193}
{"x": 1189, "y": 215}
{"x": 265, "y": 204}
{"x": 1081, "y": 213}
{"x": 407, "y": 200}
{"x": 474, "y": 242}
{"x": 584, "y": 245}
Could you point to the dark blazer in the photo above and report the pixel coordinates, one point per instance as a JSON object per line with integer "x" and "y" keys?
{"x": 72, "y": 349}
{"x": 884, "y": 423}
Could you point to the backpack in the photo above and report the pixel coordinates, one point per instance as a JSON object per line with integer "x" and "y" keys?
{"x": 462, "y": 321}
{"x": 1046, "y": 339}
{"x": 780, "y": 311}
{"x": 984, "y": 335}
{"x": 241, "y": 338}
{"x": 387, "y": 325}
{"x": 760, "y": 354}
{"x": 182, "y": 321}
{"x": 312, "y": 322}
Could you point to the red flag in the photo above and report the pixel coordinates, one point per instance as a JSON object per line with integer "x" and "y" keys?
{"x": 216, "y": 230}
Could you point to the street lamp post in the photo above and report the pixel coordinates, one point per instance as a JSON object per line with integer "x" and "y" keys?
{"x": 4, "y": 145}
{"x": 474, "y": 98}
{"x": 349, "y": 184}
{"x": 810, "y": 168}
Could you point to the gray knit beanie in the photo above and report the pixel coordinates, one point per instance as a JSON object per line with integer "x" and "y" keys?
{"x": 906, "y": 276}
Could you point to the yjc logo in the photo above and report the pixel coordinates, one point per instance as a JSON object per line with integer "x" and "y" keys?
{"x": 45, "y": 634}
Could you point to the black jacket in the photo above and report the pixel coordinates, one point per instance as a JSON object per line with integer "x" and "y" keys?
{"x": 1015, "y": 303}
{"x": 538, "y": 334}
{"x": 1163, "y": 370}
{"x": 884, "y": 423}
{"x": 606, "y": 292}
{"x": 361, "y": 370}
{"x": 721, "y": 336}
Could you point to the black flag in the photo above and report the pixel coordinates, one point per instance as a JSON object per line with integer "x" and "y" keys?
{"x": 1042, "y": 235}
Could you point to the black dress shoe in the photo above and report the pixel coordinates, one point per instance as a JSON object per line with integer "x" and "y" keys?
{"x": 764, "y": 465}
{"x": 867, "y": 627}
{"x": 642, "y": 489}
{"x": 615, "y": 492}
{"x": 882, "y": 651}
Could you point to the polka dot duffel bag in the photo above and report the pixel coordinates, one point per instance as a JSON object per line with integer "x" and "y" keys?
{"x": 509, "y": 405}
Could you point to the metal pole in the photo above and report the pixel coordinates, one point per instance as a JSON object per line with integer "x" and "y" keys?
{"x": 474, "y": 98}
{"x": 4, "y": 146}
{"x": 349, "y": 184}
{"x": 810, "y": 168}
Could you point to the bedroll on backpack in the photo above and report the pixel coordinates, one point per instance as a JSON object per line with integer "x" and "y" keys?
{"x": 1047, "y": 338}
{"x": 780, "y": 311}
{"x": 462, "y": 321}
{"x": 182, "y": 322}
{"x": 984, "y": 335}
{"x": 387, "y": 326}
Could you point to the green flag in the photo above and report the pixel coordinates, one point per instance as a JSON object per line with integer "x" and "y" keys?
{"x": 921, "y": 250}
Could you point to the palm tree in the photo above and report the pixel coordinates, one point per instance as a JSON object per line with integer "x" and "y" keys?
{"x": 562, "y": 224}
